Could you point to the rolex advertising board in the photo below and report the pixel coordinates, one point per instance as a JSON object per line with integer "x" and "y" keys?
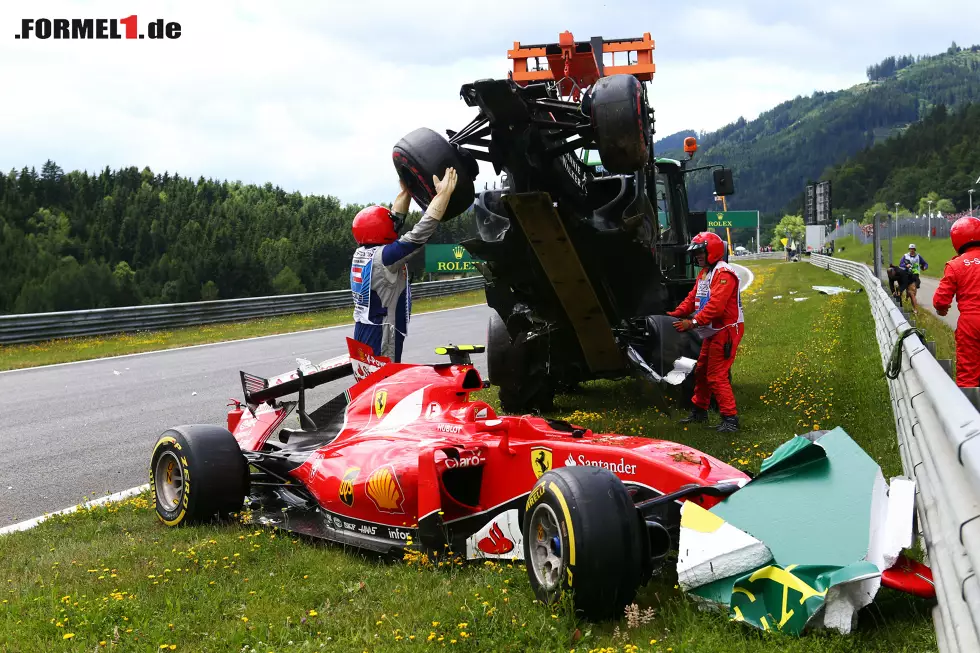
{"x": 448, "y": 259}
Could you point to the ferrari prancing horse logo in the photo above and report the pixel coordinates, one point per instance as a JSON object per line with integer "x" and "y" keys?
{"x": 380, "y": 399}
{"x": 540, "y": 460}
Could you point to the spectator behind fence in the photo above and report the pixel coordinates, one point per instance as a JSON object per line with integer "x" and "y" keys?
{"x": 961, "y": 279}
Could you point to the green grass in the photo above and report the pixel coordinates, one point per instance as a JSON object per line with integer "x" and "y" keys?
{"x": 115, "y": 575}
{"x": 49, "y": 352}
{"x": 940, "y": 332}
{"x": 936, "y": 252}
{"x": 753, "y": 263}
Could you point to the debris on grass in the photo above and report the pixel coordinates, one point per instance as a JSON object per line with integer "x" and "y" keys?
{"x": 819, "y": 519}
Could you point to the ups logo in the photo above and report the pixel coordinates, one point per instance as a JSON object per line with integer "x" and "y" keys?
{"x": 346, "y": 492}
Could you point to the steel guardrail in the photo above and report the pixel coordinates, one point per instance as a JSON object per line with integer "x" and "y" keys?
{"x": 938, "y": 429}
{"x": 35, "y": 327}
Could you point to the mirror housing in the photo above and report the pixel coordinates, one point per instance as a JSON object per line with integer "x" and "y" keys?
{"x": 724, "y": 182}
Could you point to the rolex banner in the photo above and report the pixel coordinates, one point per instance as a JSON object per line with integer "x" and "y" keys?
{"x": 448, "y": 259}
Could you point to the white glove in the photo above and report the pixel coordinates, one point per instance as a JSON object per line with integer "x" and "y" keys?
{"x": 444, "y": 192}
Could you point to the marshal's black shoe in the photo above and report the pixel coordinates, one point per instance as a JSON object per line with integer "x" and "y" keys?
{"x": 729, "y": 424}
{"x": 697, "y": 415}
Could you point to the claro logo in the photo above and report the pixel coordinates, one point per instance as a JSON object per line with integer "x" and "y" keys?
{"x": 83, "y": 29}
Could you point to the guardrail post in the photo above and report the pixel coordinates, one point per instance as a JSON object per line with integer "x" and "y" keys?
{"x": 931, "y": 346}
{"x": 947, "y": 365}
{"x": 973, "y": 394}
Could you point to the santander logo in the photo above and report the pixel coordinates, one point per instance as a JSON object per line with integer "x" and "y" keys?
{"x": 621, "y": 467}
{"x": 496, "y": 542}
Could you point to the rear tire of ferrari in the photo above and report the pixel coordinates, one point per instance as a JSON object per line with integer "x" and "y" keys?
{"x": 197, "y": 473}
{"x": 621, "y": 123}
{"x": 424, "y": 153}
{"x": 582, "y": 534}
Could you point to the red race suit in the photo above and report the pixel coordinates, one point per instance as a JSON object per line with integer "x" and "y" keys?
{"x": 961, "y": 279}
{"x": 715, "y": 303}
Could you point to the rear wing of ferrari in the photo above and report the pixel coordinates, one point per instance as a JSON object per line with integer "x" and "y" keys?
{"x": 360, "y": 361}
{"x": 258, "y": 389}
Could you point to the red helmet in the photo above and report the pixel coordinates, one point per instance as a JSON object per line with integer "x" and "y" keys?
{"x": 963, "y": 232}
{"x": 711, "y": 244}
{"x": 374, "y": 225}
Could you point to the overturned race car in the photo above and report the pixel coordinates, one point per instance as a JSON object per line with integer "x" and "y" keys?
{"x": 403, "y": 460}
{"x": 584, "y": 247}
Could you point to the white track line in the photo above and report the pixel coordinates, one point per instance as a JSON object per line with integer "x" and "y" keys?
{"x": 31, "y": 523}
{"x": 222, "y": 342}
{"x": 751, "y": 276}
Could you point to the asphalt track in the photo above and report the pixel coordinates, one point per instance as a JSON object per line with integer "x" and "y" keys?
{"x": 83, "y": 430}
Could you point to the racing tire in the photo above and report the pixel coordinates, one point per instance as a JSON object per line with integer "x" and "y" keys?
{"x": 499, "y": 371}
{"x": 424, "y": 153}
{"x": 621, "y": 123}
{"x": 523, "y": 386}
{"x": 583, "y": 535}
{"x": 202, "y": 458}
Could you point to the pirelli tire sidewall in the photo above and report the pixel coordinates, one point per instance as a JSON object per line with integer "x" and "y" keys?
{"x": 603, "y": 549}
{"x": 214, "y": 470}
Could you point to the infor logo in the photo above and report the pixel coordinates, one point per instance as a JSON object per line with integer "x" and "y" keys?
{"x": 81, "y": 29}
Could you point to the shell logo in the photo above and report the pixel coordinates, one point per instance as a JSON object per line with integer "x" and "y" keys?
{"x": 383, "y": 489}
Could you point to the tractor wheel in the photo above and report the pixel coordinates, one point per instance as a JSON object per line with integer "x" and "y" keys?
{"x": 424, "y": 153}
{"x": 583, "y": 534}
{"x": 621, "y": 122}
{"x": 196, "y": 473}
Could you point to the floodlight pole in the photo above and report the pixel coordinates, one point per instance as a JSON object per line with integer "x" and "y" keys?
{"x": 929, "y": 227}
{"x": 876, "y": 243}
{"x": 891, "y": 258}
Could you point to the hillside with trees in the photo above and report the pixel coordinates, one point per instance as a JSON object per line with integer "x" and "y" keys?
{"x": 674, "y": 142}
{"x": 775, "y": 155}
{"x": 936, "y": 159}
{"x": 128, "y": 237}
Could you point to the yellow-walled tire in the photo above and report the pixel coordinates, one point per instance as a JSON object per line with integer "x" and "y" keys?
{"x": 582, "y": 534}
{"x": 197, "y": 473}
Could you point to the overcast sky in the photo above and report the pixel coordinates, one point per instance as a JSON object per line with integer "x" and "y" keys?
{"x": 313, "y": 95}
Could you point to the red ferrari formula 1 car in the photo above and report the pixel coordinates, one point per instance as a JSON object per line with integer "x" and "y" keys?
{"x": 404, "y": 458}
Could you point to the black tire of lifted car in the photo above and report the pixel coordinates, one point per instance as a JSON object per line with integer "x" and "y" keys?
{"x": 621, "y": 123}
{"x": 523, "y": 383}
{"x": 602, "y": 540}
{"x": 215, "y": 474}
{"x": 424, "y": 153}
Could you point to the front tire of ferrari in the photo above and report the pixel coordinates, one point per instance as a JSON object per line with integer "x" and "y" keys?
{"x": 582, "y": 534}
{"x": 197, "y": 472}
